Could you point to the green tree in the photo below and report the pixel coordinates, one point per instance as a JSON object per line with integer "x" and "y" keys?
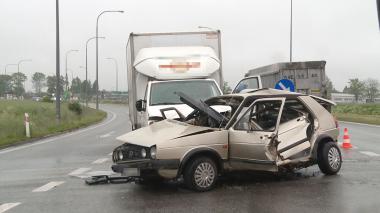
{"x": 84, "y": 89}
{"x": 39, "y": 82}
{"x": 94, "y": 88}
{"x": 226, "y": 88}
{"x": 329, "y": 87}
{"x": 371, "y": 89}
{"x": 51, "y": 82}
{"x": 18, "y": 80}
{"x": 356, "y": 87}
{"x": 5, "y": 84}
{"x": 76, "y": 86}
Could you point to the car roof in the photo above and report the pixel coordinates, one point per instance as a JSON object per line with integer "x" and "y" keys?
{"x": 266, "y": 92}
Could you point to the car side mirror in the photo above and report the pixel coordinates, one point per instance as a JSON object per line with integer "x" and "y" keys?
{"x": 140, "y": 105}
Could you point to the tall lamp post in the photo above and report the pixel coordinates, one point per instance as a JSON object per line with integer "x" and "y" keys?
{"x": 291, "y": 31}
{"x": 86, "y": 94}
{"x": 21, "y": 61}
{"x": 67, "y": 53}
{"x": 117, "y": 73}
{"x": 5, "y": 71}
{"x": 97, "y": 51}
{"x": 57, "y": 67}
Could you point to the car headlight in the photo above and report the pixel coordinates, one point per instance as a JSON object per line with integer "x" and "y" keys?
{"x": 143, "y": 153}
{"x": 120, "y": 155}
{"x": 153, "y": 152}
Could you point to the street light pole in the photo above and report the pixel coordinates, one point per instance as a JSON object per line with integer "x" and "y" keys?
{"x": 97, "y": 52}
{"x": 57, "y": 67}
{"x": 291, "y": 31}
{"x": 117, "y": 73}
{"x": 86, "y": 94}
{"x": 5, "y": 71}
{"x": 67, "y": 53}
{"x": 18, "y": 64}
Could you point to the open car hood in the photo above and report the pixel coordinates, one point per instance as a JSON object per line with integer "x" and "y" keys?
{"x": 162, "y": 133}
{"x": 202, "y": 107}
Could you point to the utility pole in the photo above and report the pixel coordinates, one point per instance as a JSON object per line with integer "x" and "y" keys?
{"x": 86, "y": 86}
{"x": 57, "y": 68}
{"x": 97, "y": 50}
{"x": 291, "y": 31}
{"x": 5, "y": 71}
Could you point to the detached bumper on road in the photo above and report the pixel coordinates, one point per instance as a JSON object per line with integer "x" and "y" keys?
{"x": 146, "y": 164}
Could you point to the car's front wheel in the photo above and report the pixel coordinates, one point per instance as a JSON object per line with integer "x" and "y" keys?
{"x": 329, "y": 158}
{"x": 201, "y": 174}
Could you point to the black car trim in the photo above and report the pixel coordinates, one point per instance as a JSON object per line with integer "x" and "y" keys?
{"x": 293, "y": 145}
{"x": 195, "y": 133}
{"x": 267, "y": 162}
{"x": 146, "y": 164}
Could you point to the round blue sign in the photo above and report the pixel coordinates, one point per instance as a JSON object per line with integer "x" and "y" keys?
{"x": 285, "y": 84}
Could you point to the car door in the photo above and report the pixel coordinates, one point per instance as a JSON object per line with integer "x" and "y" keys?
{"x": 252, "y": 137}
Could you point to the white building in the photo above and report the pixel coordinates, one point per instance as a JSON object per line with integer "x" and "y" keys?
{"x": 345, "y": 98}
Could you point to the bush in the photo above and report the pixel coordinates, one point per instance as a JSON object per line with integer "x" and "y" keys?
{"x": 47, "y": 99}
{"x": 75, "y": 107}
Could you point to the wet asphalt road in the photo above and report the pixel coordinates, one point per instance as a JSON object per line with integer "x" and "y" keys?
{"x": 24, "y": 171}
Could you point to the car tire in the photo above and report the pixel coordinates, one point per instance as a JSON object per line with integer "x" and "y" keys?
{"x": 201, "y": 174}
{"x": 329, "y": 158}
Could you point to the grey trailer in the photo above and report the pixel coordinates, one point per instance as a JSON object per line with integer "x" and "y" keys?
{"x": 308, "y": 77}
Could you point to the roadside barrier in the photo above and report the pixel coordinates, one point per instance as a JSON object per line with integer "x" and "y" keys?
{"x": 346, "y": 140}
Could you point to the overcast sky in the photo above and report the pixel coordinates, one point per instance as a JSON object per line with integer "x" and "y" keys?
{"x": 255, "y": 33}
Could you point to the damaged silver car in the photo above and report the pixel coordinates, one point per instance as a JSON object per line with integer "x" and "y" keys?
{"x": 267, "y": 129}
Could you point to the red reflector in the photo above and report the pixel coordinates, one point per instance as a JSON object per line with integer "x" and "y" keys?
{"x": 181, "y": 66}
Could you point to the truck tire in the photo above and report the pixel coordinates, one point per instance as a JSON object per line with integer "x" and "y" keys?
{"x": 201, "y": 174}
{"x": 329, "y": 158}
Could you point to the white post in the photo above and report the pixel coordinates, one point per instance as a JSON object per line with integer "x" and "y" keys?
{"x": 27, "y": 128}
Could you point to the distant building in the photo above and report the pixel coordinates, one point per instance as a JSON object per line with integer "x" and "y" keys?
{"x": 345, "y": 98}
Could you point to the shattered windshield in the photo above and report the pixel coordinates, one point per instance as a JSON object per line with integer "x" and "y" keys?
{"x": 163, "y": 92}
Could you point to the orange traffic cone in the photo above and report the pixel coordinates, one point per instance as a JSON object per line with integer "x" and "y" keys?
{"x": 346, "y": 140}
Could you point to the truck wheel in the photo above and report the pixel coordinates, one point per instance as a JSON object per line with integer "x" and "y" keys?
{"x": 201, "y": 174}
{"x": 329, "y": 158}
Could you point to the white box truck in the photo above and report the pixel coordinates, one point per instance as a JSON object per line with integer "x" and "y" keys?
{"x": 160, "y": 64}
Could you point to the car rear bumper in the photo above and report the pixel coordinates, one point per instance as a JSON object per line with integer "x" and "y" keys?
{"x": 146, "y": 164}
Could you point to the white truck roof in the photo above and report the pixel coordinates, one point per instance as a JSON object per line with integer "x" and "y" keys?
{"x": 180, "y": 62}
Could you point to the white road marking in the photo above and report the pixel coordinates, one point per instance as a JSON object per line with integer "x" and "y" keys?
{"x": 95, "y": 173}
{"x": 110, "y": 154}
{"x": 107, "y": 135}
{"x": 371, "y": 125}
{"x": 100, "y": 160}
{"x": 79, "y": 171}
{"x": 6, "y": 206}
{"x": 114, "y": 116}
{"x": 372, "y": 154}
{"x": 48, "y": 186}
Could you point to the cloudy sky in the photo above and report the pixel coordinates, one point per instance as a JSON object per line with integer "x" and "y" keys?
{"x": 345, "y": 33}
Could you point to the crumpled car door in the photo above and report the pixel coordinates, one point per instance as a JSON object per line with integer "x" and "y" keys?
{"x": 293, "y": 141}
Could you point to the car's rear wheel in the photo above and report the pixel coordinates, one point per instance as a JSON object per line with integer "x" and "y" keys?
{"x": 201, "y": 174}
{"x": 329, "y": 158}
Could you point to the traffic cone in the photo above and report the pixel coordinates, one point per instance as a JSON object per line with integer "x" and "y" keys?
{"x": 346, "y": 140}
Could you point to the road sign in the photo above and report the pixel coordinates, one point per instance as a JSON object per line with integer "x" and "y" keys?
{"x": 285, "y": 84}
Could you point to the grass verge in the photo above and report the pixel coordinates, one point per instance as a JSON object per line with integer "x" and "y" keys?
{"x": 42, "y": 120}
{"x": 360, "y": 113}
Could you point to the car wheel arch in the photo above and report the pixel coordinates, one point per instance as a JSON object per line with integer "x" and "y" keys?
{"x": 204, "y": 152}
{"x": 318, "y": 144}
